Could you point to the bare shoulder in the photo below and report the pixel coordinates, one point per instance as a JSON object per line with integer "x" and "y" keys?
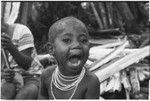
{"x": 92, "y": 78}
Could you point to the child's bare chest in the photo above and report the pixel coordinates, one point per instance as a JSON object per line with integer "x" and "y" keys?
{"x": 77, "y": 92}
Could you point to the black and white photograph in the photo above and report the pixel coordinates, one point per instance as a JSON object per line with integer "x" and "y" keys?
{"x": 97, "y": 50}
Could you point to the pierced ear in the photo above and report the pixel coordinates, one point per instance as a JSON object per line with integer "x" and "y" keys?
{"x": 50, "y": 48}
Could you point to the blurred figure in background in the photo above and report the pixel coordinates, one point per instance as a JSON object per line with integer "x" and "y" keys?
{"x": 18, "y": 41}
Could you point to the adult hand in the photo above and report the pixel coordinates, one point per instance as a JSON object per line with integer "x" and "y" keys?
{"x": 46, "y": 59}
{"x": 8, "y": 75}
{"x": 6, "y": 41}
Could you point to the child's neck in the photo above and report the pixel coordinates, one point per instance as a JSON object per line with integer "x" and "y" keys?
{"x": 69, "y": 73}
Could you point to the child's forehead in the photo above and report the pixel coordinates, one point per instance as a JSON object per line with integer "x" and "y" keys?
{"x": 70, "y": 23}
{"x": 67, "y": 24}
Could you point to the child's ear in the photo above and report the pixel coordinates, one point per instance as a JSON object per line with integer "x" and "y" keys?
{"x": 50, "y": 48}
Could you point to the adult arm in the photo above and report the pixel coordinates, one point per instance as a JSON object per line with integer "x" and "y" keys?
{"x": 23, "y": 58}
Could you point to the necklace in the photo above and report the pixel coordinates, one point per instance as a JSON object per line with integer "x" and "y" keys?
{"x": 57, "y": 79}
{"x": 67, "y": 77}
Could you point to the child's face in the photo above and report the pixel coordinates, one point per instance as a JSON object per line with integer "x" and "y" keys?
{"x": 71, "y": 48}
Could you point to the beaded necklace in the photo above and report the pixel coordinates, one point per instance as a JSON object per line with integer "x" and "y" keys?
{"x": 57, "y": 79}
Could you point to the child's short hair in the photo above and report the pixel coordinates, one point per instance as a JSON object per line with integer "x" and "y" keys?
{"x": 60, "y": 25}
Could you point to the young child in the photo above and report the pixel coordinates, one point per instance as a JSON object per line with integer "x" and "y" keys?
{"x": 69, "y": 79}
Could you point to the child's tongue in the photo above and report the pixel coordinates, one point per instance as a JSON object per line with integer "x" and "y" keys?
{"x": 75, "y": 61}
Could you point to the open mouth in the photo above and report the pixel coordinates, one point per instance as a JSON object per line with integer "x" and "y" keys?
{"x": 75, "y": 60}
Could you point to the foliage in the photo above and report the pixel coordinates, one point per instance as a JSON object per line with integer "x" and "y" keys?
{"x": 131, "y": 17}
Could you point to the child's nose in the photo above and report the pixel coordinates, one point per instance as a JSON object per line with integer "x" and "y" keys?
{"x": 76, "y": 45}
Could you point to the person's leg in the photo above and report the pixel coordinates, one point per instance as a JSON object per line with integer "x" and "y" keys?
{"x": 8, "y": 90}
{"x": 29, "y": 91}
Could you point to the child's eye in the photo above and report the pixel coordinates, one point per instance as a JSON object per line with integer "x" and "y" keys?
{"x": 66, "y": 40}
{"x": 84, "y": 40}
